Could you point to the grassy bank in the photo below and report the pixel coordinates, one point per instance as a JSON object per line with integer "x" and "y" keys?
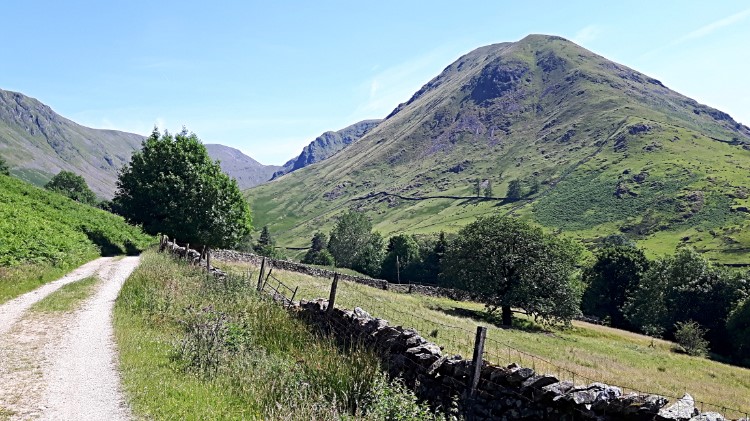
{"x": 195, "y": 348}
{"x": 593, "y": 353}
{"x": 43, "y": 235}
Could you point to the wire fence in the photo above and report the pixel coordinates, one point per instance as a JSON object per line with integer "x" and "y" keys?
{"x": 447, "y": 332}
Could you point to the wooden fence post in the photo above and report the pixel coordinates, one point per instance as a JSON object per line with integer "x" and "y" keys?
{"x": 260, "y": 277}
{"x": 477, "y": 360}
{"x": 294, "y": 294}
{"x": 270, "y": 270}
{"x": 332, "y": 295}
{"x": 208, "y": 259}
{"x": 187, "y": 249}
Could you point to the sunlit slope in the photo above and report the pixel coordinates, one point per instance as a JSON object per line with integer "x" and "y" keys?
{"x": 600, "y": 149}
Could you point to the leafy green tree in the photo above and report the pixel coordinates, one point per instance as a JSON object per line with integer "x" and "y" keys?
{"x": 370, "y": 259}
{"x": 433, "y": 260}
{"x": 687, "y": 287}
{"x": 402, "y": 250}
{"x": 4, "y": 168}
{"x": 173, "y": 187}
{"x": 349, "y": 238}
{"x": 515, "y": 190}
{"x": 614, "y": 276}
{"x": 488, "y": 192}
{"x": 73, "y": 186}
{"x": 515, "y": 265}
{"x": 477, "y": 187}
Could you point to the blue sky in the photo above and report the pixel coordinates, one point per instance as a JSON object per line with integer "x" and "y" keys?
{"x": 268, "y": 77}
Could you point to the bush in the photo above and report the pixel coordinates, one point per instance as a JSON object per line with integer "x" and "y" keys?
{"x": 73, "y": 186}
{"x": 689, "y": 335}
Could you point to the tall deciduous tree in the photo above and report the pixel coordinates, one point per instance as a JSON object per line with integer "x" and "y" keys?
{"x": 515, "y": 265}
{"x": 403, "y": 251}
{"x": 173, "y": 187}
{"x": 370, "y": 259}
{"x": 349, "y": 238}
{"x": 73, "y": 186}
{"x": 614, "y": 276}
{"x": 515, "y": 190}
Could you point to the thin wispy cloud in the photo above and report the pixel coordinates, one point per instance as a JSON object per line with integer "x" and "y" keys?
{"x": 587, "y": 34}
{"x": 703, "y": 31}
{"x": 390, "y": 86}
{"x": 714, "y": 26}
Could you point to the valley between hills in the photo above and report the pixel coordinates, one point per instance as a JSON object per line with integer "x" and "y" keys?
{"x": 541, "y": 130}
{"x": 597, "y": 149}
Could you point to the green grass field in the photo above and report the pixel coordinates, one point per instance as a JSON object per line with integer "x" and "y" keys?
{"x": 262, "y": 364}
{"x": 592, "y": 352}
{"x": 43, "y": 235}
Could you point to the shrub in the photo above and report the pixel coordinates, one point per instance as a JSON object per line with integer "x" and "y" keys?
{"x": 689, "y": 335}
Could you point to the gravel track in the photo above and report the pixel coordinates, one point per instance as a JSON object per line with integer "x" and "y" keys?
{"x": 63, "y": 366}
{"x": 12, "y": 311}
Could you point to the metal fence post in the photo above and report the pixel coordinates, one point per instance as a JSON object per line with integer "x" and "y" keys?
{"x": 332, "y": 296}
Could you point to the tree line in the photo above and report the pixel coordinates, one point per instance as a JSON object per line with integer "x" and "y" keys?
{"x": 515, "y": 266}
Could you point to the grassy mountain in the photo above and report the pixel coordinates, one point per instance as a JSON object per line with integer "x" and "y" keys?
{"x": 599, "y": 149}
{"x": 326, "y": 145}
{"x": 38, "y": 143}
{"x": 246, "y": 170}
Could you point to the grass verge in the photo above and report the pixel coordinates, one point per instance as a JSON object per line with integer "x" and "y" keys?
{"x": 192, "y": 347}
{"x": 67, "y": 298}
{"x": 594, "y": 353}
{"x": 18, "y": 280}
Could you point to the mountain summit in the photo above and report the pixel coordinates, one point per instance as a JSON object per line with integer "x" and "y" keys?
{"x": 326, "y": 145}
{"x": 39, "y": 143}
{"x": 597, "y": 148}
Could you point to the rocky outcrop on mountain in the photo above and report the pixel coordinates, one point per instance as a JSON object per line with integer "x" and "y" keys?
{"x": 326, "y": 145}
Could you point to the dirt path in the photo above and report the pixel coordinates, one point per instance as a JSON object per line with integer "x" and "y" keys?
{"x": 64, "y": 366}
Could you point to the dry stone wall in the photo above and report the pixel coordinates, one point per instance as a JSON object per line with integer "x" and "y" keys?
{"x": 502, "y": 393}
{"x": 433, "y": 291}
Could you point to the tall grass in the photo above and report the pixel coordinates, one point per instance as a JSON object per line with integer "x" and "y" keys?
{"x": 599, "y": 353}
{"x": 192, "y": 347}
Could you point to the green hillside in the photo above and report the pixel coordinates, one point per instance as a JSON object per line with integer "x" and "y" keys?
{"x": 42, "y": 234}
{"x": 599, "y": 149}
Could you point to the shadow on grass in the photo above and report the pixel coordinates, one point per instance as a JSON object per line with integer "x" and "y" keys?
{"x": 483, "y": 316}
{"x": 107, "y": 247}
{"x": 110, "y": 249}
